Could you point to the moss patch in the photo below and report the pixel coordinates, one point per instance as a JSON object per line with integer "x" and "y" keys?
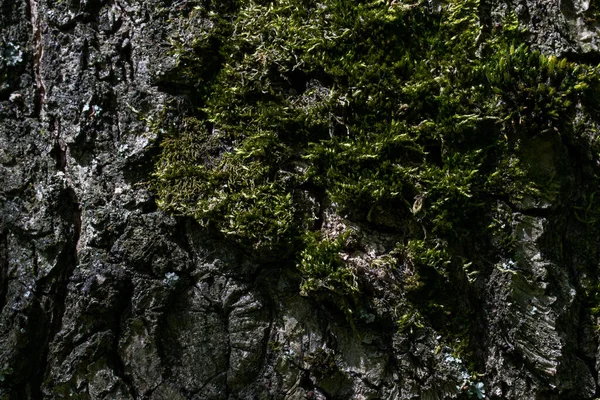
{"x": 397, "y": 113}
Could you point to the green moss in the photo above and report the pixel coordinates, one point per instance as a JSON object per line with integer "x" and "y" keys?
{"x": 399, "y": 115}
{"x": 322, "y": 267}
{"x": 589, "y": 212}
{"x": 410, "y": 321}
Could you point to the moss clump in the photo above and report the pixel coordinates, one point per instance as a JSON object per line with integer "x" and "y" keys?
{"x": 320, "y": 262}
{"x": 375, "y": 104}
{"x": 397, "y": 113}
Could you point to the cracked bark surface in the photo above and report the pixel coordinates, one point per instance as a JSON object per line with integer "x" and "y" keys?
{"x": 102, "y": 296}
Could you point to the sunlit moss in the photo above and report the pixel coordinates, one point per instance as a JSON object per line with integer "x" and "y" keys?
{"x": 397, "y": 113}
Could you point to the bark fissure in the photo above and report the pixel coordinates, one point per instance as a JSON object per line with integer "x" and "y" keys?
{"x": 38, "y": 54}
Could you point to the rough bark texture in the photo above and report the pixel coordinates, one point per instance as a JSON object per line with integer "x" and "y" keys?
{"x": 103, "y": 296}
